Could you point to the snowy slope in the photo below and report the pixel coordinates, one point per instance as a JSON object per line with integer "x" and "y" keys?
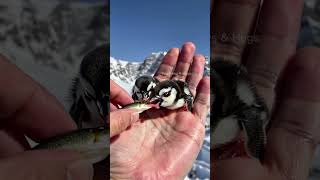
{"x": 48, "y": 38}
{"x": 128, "y": 71}
{"x": 51, "y": 33}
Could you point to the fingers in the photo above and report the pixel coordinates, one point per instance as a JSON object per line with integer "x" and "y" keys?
{"x": 113, "y": 107}
{"x": 167, "y": 65}
{"x": 277, "y": 33}
{"x": 184, "y": 61}
{"x": 231, "y": 22}
{"x": 12, "y": 142}
{"x": 196, "y": 73}
{"x": 120, "y": 120}
{"x": 295, "y": 128}
{"x": 202, "y": 100}
{"x": 50, "y": 165}
{"x": 118, "y": 95}
{"x": 28, "y": 107}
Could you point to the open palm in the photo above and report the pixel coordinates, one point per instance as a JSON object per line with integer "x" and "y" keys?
{"x": 164, "y": 143}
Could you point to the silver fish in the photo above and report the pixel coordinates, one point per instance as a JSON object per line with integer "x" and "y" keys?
{"x": 138, "y": 106}
{"x": 93, "y": 143}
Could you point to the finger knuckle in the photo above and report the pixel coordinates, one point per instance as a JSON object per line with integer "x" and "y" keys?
{"x": 227, "y": 53}
{"x": 203, "y": 100}
{"x": 299, "y": 118}
{"x": 192, "y": 83}
{"x": 120, "y": 124}
{"x": 296, "y": 129}
{"x": 264, "y": 77}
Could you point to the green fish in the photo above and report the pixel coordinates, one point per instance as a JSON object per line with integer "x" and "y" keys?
{"x": 93, "y": 143}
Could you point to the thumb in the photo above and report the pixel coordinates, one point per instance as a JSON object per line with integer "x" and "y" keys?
{"x": 46, "y": 164}
{"x": 120, "y": 120}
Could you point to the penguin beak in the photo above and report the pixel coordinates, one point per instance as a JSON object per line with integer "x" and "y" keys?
{"x": 103, "y": 106}
{"x": 145, "y": 97}
{"x": 100, "y": 108}
{"x": 145, "y": 100}
{"x": 155, "y": 100}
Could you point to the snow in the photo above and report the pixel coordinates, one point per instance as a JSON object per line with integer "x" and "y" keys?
{"x": 114, "y": 61}
{"x": 201, "y": 167}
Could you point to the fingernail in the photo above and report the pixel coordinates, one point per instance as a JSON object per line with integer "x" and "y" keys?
{"x": 80, "y": 170}
{"x": 189, "y": 44}
{"x": 173, "y": 51}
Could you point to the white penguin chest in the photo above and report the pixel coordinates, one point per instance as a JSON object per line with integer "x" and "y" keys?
{"x": 227, "y": 130}
{"x": 180, "y": 103}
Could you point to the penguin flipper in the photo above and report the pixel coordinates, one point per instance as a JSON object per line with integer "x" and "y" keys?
{"x": 187, "y": 93}
{"x": 255, "y": 136}
{"x": 189, "y": 101}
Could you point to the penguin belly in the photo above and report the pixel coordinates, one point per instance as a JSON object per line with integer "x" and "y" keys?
{"x": 180, "y": 103}
{"x": 226, "y": 131}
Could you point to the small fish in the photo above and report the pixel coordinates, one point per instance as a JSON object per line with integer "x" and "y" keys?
{"x": 139, "y": 106}
{"x": 93, "y": 143}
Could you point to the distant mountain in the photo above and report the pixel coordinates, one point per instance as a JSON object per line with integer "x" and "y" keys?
{"x": 128, "y": 72}
{"x": 53, "y": 33}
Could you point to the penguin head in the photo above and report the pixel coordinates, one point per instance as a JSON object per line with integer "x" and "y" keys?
{"x": 166, "y": 93}
{"x": 143, "y": 88}
{"x": 94, "y": 80}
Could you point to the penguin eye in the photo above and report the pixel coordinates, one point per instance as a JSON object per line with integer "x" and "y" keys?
{"x": 88, "y": 95}
{"x": 166, "y": 94}
{"x": 139, "y": 95}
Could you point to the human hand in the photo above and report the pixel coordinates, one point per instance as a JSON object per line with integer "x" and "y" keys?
{"x": 121, "y": 119}
{"x": 293, "y": 97}
{"x": 163, "y": 144}
{"x": 28, "y": 109}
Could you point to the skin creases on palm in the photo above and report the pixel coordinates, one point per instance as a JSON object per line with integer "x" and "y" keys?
{"x": 162, "y": 143}
{"x": 230, "y": 150}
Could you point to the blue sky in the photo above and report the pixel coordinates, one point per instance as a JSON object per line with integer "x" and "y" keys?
{"x": 139, "y": 27}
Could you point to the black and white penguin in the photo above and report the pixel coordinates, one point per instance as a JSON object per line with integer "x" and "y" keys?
{"x": 143, "y": 87}
{"x": 172, "y": 94}
{"x": 237, "y": 108}
{"x": 90, "y": 90}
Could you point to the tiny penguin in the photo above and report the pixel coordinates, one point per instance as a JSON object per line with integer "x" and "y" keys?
{"x": 90, "y": 97}
{"x": 143, "y": 88}
{"x": 172, "y": 94}
{"x": 237, "y": 108}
